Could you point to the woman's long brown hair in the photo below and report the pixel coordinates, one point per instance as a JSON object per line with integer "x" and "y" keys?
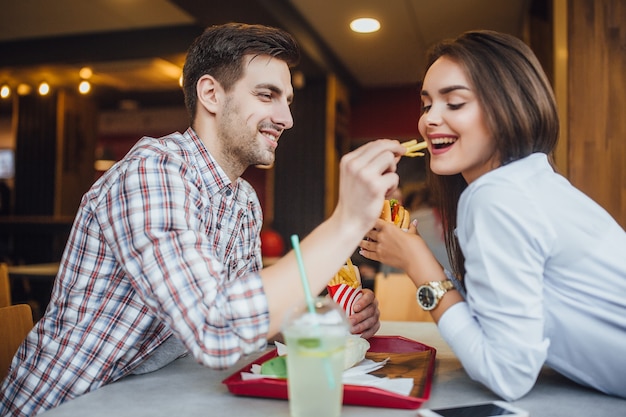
{"x": 518, "y": 104}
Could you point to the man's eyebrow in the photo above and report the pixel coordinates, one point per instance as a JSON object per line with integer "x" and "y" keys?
{"x": 446, "y": 90}
{"x": 274, "y": 89}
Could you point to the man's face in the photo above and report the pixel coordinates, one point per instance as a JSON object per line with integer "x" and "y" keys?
{"x": 255, "y": 113}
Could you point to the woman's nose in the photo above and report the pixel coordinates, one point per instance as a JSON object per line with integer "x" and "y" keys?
{"x": 433, "y": 117}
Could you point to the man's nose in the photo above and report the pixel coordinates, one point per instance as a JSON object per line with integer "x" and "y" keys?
{"x": 283, "y": 116}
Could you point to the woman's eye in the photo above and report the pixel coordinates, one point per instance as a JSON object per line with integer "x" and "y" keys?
{"x": 425, "y": 108}
{"x": 455, "y": 106}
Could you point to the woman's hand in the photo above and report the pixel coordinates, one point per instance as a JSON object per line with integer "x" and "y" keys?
{"x": 389, "y": 244}
{"x": 406, "y": 251}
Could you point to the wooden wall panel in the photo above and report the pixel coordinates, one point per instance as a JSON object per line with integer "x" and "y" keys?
{"x": 76, "y": 142}
{"x": 597, "y": 101}
{"x": 35, "y": 152}
{"x": 299, "y": 185}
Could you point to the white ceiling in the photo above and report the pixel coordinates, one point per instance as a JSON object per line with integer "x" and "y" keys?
{"x": 393, "y": 56}
{"x": 24, "y": 19}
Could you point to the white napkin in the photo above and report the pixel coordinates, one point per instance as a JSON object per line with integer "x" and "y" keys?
{"x": 359, "y": 375}
{"x": 356, "y": 375}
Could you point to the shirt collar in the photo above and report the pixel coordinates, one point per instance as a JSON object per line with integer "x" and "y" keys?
{"x": 214, "y": 176}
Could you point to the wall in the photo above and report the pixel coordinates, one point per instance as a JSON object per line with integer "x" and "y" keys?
{"x": 597, "y": 101}
{"x": 385, "y": 112}
{"x": 390, "y": 113}
{"x": 299, "y": 171}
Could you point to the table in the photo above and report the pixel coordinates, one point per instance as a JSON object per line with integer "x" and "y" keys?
{"x": 32, "y": 284}
{"x": 48, "y": 270}
{"x": 185, "y": 388}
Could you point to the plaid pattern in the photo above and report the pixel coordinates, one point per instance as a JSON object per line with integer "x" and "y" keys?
{"x": 163, "y": 244}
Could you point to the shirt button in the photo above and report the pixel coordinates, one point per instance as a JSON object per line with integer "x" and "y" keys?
{"x": 228, "y": 193}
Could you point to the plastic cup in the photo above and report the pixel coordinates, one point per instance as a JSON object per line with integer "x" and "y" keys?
{"x": 315, "y": 358}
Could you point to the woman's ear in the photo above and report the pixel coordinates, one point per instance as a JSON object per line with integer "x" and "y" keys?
{"x": 208, "y": 91}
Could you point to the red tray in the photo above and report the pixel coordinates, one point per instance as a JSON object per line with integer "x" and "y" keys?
{"x": 352, "y": 394}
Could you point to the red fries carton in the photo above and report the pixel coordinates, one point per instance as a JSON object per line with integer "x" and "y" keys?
{"x": 345, "y": 287}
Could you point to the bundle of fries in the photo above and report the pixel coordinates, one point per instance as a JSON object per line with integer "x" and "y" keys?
{"x": 345, "y": 287}
{"x": 413, "y": 148}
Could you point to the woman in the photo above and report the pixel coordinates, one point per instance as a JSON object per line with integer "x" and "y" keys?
{"x": 538, "y": 269}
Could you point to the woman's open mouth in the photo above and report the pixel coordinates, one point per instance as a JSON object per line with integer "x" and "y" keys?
{"x": 442, "y": 143}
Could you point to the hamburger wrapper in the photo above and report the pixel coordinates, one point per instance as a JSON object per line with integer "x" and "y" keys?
{"x": 345, "y": 296}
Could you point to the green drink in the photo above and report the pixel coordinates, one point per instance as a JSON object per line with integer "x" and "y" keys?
{"x": 315, "y": 359}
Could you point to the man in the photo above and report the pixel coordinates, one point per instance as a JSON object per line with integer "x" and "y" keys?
{"x": 164, "y": 256}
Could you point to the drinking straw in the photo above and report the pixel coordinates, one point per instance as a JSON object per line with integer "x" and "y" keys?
{"x": 295, "y": 242}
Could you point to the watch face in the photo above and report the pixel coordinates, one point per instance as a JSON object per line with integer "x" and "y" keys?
{"x": 426, "y": 298}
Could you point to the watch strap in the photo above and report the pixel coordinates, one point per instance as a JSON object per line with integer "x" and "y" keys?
{"x": 458, "y": 284}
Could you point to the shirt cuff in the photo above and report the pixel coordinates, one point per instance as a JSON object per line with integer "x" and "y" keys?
{"x": 453, "y": 321}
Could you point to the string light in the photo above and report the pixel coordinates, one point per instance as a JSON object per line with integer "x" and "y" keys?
{"x": 84, "y": 87}
{"x": 5, "y": 91}
{"x": 44, "y": 88}
{"x": 85, "y": 73}
{"x": 23, "y": 89}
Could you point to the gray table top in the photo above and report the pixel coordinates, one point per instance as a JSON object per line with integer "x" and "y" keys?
{"x": 186, "y": 388}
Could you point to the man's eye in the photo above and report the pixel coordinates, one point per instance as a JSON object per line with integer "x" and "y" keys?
{"x": 264, "y": 96}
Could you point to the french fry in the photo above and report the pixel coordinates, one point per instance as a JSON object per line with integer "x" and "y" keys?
{"x": 345, "y": 287}
{"x": 413, "y": 148}
{"x": 346, "y": 276}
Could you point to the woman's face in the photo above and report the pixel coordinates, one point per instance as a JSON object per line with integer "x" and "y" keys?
{"x": 453, "y": 124}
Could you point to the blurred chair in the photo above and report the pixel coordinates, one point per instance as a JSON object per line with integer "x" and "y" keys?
{"x": 396, "y": 298}
{"x": 5, "y": 287}
{"x": 15, "y": 323}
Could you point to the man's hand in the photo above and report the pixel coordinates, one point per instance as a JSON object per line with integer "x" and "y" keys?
{"x": 367, "y": 174}
{"x": 366, "y": 317}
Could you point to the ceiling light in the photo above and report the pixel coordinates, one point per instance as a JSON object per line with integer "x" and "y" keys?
{"x": 365, "y": 25}
{"x": 5, "y": 91}
{"x": 44, "y": 88}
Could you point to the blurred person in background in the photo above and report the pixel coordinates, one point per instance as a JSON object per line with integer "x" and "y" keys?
{"x": 428, "y": 221}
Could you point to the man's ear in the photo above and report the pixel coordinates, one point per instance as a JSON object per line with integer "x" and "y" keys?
{"x": 209, "y": 93}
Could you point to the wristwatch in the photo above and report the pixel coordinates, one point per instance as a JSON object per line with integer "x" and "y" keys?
{"x": 429, "y": 294}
